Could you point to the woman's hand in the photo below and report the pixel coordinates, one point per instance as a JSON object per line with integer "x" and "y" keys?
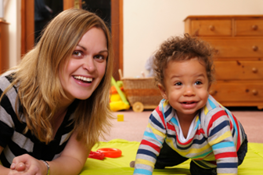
{"x": 18, "y": 166}
{"x": 28, "y": 165}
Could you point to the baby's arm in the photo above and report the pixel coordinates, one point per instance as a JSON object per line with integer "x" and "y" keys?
{"x": 222, "y": 142}
{"x": 151, "y": 144}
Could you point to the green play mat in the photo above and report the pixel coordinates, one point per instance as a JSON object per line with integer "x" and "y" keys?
{"x": 252, "y": 165}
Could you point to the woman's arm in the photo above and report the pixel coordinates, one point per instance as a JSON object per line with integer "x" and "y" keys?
{"x": 70, "y": 162}
{"x": 3, "y": 170}
{"x": 72, "y": 158}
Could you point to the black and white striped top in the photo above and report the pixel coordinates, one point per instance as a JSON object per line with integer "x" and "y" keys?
{"x": 12, "y": 137}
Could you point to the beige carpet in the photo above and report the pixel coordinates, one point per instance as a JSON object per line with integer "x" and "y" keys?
{"x": 133, "y": 126}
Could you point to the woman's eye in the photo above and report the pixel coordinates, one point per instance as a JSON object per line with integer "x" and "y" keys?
{"x": 99, "y": 57}
{"x": 198, "y": 83}
{"x": 77, "y": 53}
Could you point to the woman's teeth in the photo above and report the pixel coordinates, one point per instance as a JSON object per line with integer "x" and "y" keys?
{"x": 85, "y": 79}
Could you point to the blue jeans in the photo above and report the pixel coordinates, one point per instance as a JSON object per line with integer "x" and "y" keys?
{"x": 169, "y": 157}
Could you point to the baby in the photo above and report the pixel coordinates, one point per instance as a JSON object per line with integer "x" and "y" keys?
{"x": 189, "y": 123}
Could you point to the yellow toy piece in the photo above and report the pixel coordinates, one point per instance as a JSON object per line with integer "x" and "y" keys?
{"x": 120, "y": 117}
{"x": 115, "y": 97}
{"x": 119, "y": 105}
{"x": 118, "y": 100}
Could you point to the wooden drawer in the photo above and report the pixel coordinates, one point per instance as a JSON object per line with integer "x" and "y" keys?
{"x": 239, "y": 70}
{"x": 238, "y": 42}
{"x": 249, "y": 27}
{"x": 208, "y": 27}
{"x": 237, "y": 46}
{"x": 241, "y": 91}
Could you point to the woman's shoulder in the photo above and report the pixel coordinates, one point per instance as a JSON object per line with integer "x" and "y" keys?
{"x": 5, "y": 81}
{"x": 6, "y": 78}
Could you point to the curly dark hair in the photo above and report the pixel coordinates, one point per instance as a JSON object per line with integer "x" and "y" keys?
{"x": 180, "y": 49}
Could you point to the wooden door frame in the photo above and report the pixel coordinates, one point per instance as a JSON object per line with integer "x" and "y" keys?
{"x": 27, "y": 29}
{"x": 117, "y": 35}
{"x": 27, "y": 26}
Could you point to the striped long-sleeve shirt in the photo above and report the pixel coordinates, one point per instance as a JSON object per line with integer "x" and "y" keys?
{"x": 213, "y": 143}
{"x": 12, "y": 137}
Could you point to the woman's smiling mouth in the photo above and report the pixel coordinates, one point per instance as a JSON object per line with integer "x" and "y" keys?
{"x": 84, "y": 79}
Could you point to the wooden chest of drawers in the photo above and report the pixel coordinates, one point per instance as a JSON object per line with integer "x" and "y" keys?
{"x": 238, "y": 41}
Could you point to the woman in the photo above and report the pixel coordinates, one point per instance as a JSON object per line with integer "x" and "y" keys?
{"x": 54, "y": 104}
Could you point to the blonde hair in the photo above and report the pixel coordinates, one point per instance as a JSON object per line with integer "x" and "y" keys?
{"x": 40, "y": 89}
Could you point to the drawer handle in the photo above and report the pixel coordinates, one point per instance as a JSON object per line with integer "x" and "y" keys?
{"x": 254, "y": 92}
{"x": 254, "y": 27}
{"x": 196, "y": 33}
{"x": 212, "y": 92}
{"x": 255, "y": 48}
{"x": 254, "y": 70}
{"x": 212, "y": 28}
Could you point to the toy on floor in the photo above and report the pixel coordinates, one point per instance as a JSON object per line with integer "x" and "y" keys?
{"x": 110, "y": 152}
{"x": 101, "y": 153}
{"x": 96, "y": 155}
{"x": 120, "y": 117}
{"x": 142, "y": 93}
{"x": 118, "y": 100}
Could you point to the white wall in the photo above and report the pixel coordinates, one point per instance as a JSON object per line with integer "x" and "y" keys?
{"x": 12, "y": 15}
{"x": 147, "y": 23}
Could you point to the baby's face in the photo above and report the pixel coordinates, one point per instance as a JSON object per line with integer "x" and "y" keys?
{"x": 186, "y": 86}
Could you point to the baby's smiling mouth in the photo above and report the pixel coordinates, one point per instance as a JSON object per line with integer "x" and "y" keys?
{"x": 188, "y": 102}
{"x": 84, "y": 79}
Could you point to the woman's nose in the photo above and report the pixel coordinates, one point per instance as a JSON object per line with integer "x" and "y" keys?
{"x": 88, "y": 64}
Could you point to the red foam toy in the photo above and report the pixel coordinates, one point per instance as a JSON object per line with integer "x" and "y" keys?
{"x": 110, "y": 152}
{"x": 96, "y": 155}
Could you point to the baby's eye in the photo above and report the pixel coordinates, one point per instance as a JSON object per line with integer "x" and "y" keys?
{"x": 77, "y": 53}
{"x": 178, "y": 83}
{"x": 198, "y": 83}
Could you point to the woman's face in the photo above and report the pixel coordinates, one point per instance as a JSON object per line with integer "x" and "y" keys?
{"x": 86, "y": 66}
